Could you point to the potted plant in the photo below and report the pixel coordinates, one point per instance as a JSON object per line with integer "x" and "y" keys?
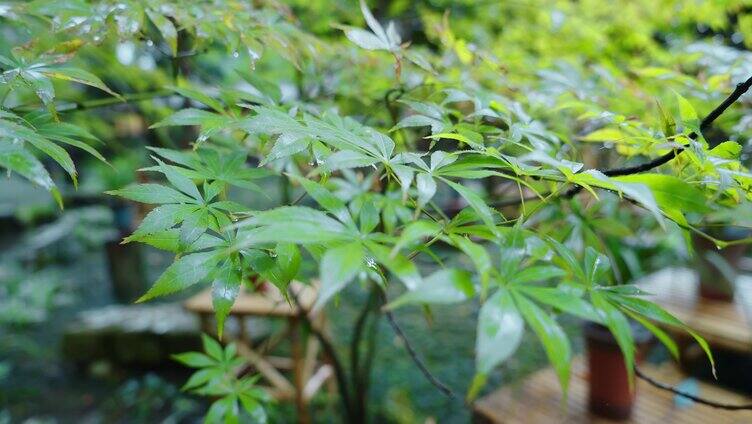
{"x": 611, "y": 389}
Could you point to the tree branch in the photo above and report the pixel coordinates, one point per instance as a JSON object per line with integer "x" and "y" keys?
{"x": 443, "y": 388}
{"x": 664, "y": 386}
{"x": 359, "y": 375}
{"x": 740, "y": 89}
{"x": 104, "y": 102}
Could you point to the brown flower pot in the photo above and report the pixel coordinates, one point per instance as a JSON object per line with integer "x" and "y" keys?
{"x": 715, "y": 284}
{"x": 258, "y": 285}
{"x": 609, "y": 393}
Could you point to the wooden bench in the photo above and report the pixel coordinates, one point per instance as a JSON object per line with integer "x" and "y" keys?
{"x": 308, "y": 373}
{"x": 538, "y": 399}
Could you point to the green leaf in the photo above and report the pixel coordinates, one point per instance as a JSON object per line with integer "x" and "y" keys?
{"x": 477, "y": 254}
{"x": 222, "y": 411}
{"x": 338, "y": 267}
{"x": 477, "y": 203}
{"x": 568, "y": 259}
{"x": 654, "y": 312}
{"x": 554, "y": 340}
{"x": 536, "y": 273}
{"x": 166, "y": 28}
{"x": 638, "y": 192}
{"x": 500, "y": 329}
{"x": 183, "y": 273}
{"x": 180, "y": 181}
{"x": 294, "y": 224}
{"x": 159, "y": 219}
{"x": 727, "y": 150}
{"x": 596, "y": 267}
{"x": 563, "y": 300}
{"x": 200, "y": 97}
{"x": 325, "y": 198}
{"x": 446, "y": 286}
{"x": 54, "y": 132}
{"x": 687, "y": 113}
{"x": 194, "y": 359}
{"x": 77, "y": 75}
{"x": 657, "y": 332}
{"x": 225, "y": 290}
{"x": 369, "y": 217}
{"x": 200, "y": 377}
{"x": 619, "y": 326}
{"x": 189, "y": 116}
{"x": 57, "y": 153}
{"x": 373, "y": 23}
{"x": 288, "y": 262}
{"x": 399, "y": 265}
{"x": 209, "y": 122}
{"x": 346, "y": 159}
{"x": 610, "y": 135}
{"x": 670, "y": 192}
{"x": 426, "y": 186}
{"x": 415, "y": 231}
{"x": 212, "y": 348}
{"x": 151, "y": 193}
{"x": 365, "y": 39}
{"x": 14, "y": 133}
{"x": 15, "y": 158}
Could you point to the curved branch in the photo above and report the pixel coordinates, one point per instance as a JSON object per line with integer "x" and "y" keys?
{"x": 713, "y": 404}
{"x": 443, "y": 388}
{"x": 739, "y": 91}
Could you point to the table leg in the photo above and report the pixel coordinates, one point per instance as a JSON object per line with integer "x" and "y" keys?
{"x": 298, "y": 371}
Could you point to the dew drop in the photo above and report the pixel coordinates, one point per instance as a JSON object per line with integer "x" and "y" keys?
{"x": 235, "y": 54}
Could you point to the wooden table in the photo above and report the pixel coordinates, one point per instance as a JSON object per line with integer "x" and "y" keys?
{"x": 538, "y": 399}
{"x": 308, "y": 373}
{"x": 723, "y": 324}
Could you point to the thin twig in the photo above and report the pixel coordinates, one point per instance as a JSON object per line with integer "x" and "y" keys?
{"x": 359, "y": 384}
{"x": 443, "y": 388}
{"x": 97, "y": 103}
{"x": 664, "y": 386}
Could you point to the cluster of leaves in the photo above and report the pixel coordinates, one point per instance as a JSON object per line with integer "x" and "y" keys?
{"x": 376, "y": 144}
{"x": 217, "y": 378}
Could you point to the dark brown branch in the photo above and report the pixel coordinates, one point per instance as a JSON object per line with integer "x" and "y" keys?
{"x": 104, "y": 102}
{"x": 443, "y": 388}
{"x": 668, "y": 157}
{"x": 359, "y": 373}
{"x": 740, "y": 89}
{"x": 713, "y": 404}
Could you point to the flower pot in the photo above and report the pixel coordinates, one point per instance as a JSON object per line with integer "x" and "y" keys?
{"x": 717, "y": 268}
{"x": 257, "y": 285}
{"x": 609, "y": 393}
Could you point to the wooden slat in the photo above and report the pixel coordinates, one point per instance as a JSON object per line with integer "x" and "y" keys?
{"x": 723, "y": 324}
{"x": 538, "y": 399}
{"x": 270, "y": 373}
{"x": 270, "y": 303}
